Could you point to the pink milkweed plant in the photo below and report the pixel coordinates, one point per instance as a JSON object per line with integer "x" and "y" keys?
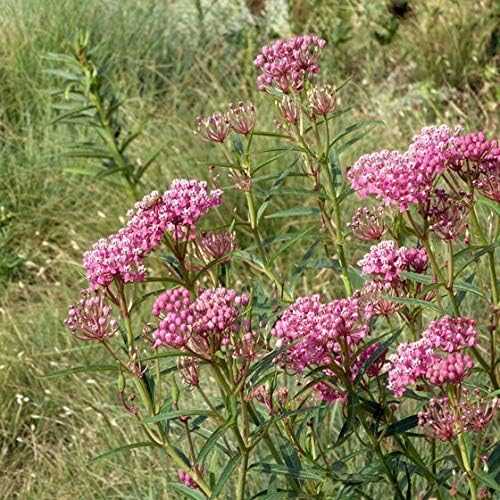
{"x": 342, "y": 348}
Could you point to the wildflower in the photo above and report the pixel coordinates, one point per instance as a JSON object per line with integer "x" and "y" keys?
{"x": 214, "y": 128}
{"x": 367, "y": 224}
{"x": 242, "y": 117}
{"x": 451, "y": 334}
{"x": 329, "y": 394}
{"x": 122, "y": 254}
{"x": 289, "y": 109}
{"x": 386, "y": 261}
{"x": 488, "y": 182}
{"x": 314, "y": 332}
{"x": 322, "y": 100}
{"x": 448, "y": 213}
{"x": 217, "y": 246}
{"x": 203, "y": 325}
{"x": 472, "y": 154}
{"x": 189, "y": 370}
{"x": 451, "y": 369}
{"x": 288, "y": 64}
{"x": 372, "y": 298}
{"x": 91, "y": 318}
{"x": 410, "y": 362}
{"x": 438, "y": 420}
{"x": 403, "y": 179}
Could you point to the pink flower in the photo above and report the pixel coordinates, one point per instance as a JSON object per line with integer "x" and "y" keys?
{"x": 217, "y": 246}
{"x": 122, "y": 254}
{"x": 438, "y": 420}
{"x": 386, "y": 261}
{"x": 368, "y": 224}
{"x": 242, "y": 117}
{"x": 186, "y": 478}
{"x": 204, "y": 325}
{"x": 448, "y": 213}
{"x": 214, "y": 128}
{"x": 314, "y": 331}
{"x": 91, "y": 318}
{"x": 287, "y": 64}
{"x": 402, "y": 179}
{"x": 322, "y": 100}
{"x": 451, "y": 333}
{"x": 410, "y": 362}
{"x": 451, "y": 369}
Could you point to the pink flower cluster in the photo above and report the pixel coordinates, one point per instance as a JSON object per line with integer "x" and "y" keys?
{"x": 368, "y": 224}
{"x": 448, "y": 213}
{"x": 91, "y": 318}
{"x": 122, "y": 254}
{"x": 318, "y": 334}
{"x": 187, "y": 480}
{"x": 451, "y": 369}
{"x": 402, "y": 179}
{"x": 386, "y": 261}
{"x": 217, "y": 246}
{"x": 240, "y": 118}
{"x": 416, "y": 360}
{"x": 444, "y": 421}
{"x": 287, "y": 64}
{"x": 203, "y": 325}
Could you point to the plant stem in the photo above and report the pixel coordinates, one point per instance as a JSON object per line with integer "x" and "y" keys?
{"x": 242, "y": 476}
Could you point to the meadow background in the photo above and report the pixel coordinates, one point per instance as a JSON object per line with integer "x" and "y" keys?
{"x": 409, "y": 63}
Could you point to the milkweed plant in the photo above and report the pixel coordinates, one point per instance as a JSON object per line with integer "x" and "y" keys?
{"x": 258, "y": 378}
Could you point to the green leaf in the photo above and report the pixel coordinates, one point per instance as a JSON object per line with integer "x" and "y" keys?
{"x": 314, "y": 474}
{"x": 170, "y": 415}
{"x": 290, "y": 243}
{"x": 419, "y": 278}
{"x": 466, "y": 287}
{"x": 270, "y": 134}
{"x": 82, "y": 369}
{"x": 123, "y": 448}
{"x": 225, "y": 475}
{"x": 492, "y": 205}
{"x": 402, "y": 425}
{"x": 186, "y": 491}
{"x": 294, "y": 212}
{"x": 211, "y": 442}
{"x": 489, "y": 480}
{"x": 413, "y": 302}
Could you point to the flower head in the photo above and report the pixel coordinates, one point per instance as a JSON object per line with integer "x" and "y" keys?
{"x": 287, "y": 64}
{"x": 322, "y": 100}
{"x": 242, "y": 117}
{"x": 451, "y": 333}
{"x": 217, "y": 246}
{"x": 214, "y": 128}
{"x": 91, "y": 318}
{"x": 122, "y": 254}
{"x": 403, "y": 179}
{"x": 451, "y": 369}
{"x": 368, "y": 224}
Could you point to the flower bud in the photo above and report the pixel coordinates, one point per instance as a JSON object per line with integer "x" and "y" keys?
{"x": 322, "y": 100}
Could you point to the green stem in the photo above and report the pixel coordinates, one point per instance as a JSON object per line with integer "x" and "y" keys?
{"x": 242, "y": 476}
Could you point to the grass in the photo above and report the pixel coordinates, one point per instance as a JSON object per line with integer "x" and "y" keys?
{"x": 440, "y": 65}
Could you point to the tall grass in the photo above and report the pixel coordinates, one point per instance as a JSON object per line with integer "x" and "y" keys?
{"x": 440, "y": 66}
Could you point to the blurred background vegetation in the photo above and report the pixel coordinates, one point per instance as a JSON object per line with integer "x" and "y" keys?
{"x": 409, "y": 63}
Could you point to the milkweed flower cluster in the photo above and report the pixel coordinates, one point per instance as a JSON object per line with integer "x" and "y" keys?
{"x": 217, "y": 245}
{"x": 443, "y": 420}
{"x": 367, "y": 224}
{"x": 322, "y": 100}
{"x": 288, "y": 63}
{"x": 314, "y": 331}
{"x": 386, "y": 261}
{"x": 240, "y": 118}
{"x": 448, "y": 213}
{"x": 187, "y": 480}
{"x": 91, "y": 318}
{"x": 203, "y": 325}
{"x": 122, "y": 254}
{"x": 403, "y": 179}
{"x": 415, "y": 360}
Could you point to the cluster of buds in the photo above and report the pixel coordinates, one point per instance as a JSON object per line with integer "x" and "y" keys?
{"x": 367, "y": 224}
{"x": 187, "y": 480}
{"x": 289, "y": 109}
{"x": 449, "y": 370}
{"x": 91, "y": 318}
{"x": 444, "y": 420}
{"x": 239, "y": 117}
{"x": 447, "y": 213}
{"x": 274, "y": 400}
{"x": 322, "y": 101}
{"x": 217, "y": 245}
